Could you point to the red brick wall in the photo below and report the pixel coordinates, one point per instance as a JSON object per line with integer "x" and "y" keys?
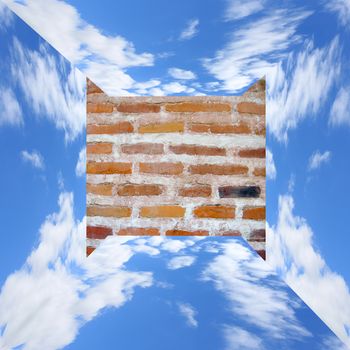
{"x": 176, "y": 165}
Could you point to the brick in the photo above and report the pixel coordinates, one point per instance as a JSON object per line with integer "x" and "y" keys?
{"x": 186, "y": 233}
{"x": 215, "y": 212}
{"x": 126, "y": 107}
{"x": 100, "y": 107}
{"x": 197, "y": 150}
{"x": 99, "y": 148}
{"x": 143, "y": 148}
{"x": 109, "y": 211}
{"x": 139, "y": 190}
{"x": 195, "y": 191}
{"x": 92, "y": 88}
{"x": 108, "y": 168}
{"x": 98, "y": 232}
{"x": 217, "y": 169}
{"x": 89, "y": 250}
{"x": 233, "y": 233}
{"x": 254, "y": 213}
{"x": 162, "y": 128}
{"x": 103, "y": 189}
{"x": 259, "y": 172}
{"x": 165, "y": 211}
{"x": 252, "y": 153}
{"x": 251, "y": 108}
{"x": 258, "y": 235}
{"x": 139, "y": 231}
{"x": 262, "y": 253}
{"x": 193, "y": 107}
{"x": 239, "y": 191}
{"x": 110, "y": 129}
{"x": 241, "y": 128}
{"x": 161, "y": 168}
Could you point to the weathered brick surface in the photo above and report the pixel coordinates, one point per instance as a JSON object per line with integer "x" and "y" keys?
{"x": 176, "y": 166}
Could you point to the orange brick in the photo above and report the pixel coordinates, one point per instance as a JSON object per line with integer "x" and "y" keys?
{"x": 259, "y": 172}
{"x": 139, "y": 190}
{"x": 215, "y": 212}
{"x": 195, "y": 191}
{"x": 162, "y": 128}
{"x": 217, "y": 169}
{"x": 186, "y": 233}
{"x": 161, "y": 168}
{"x": 251, "y": 108}
{"x": 254, "y": 213}
{"x": 143, "y": 148}
{"x": 252, "y": 153}
{"x": 89, "y": 250}
{"x": 162, "y": 211}
{"x": 198, "y": 150}
{"x": 126, "y": 107}
{"x": 109, "y": 211}
{"x": 193, "y": 107}
{"x": 241, "y": 128}
{"x": 98, "y": 232}
{"x": 92, "y": 88}
{"x": 100, "y": 107}
{"x": 104, "y": 189}
{"x": 110, "y": 129}
{"x": 99, "y": 148}
{"x": 139, "y": 231}
{"x": 108, "y": 168}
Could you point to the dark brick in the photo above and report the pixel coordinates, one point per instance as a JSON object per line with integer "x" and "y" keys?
{"x": 239, "y": 191}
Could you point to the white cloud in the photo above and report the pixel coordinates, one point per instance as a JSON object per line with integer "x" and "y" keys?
{"x": 291, "y": 251}
{"x": 237, "y": 9}
{"x": 301, "y": 88}
{"x": 191, "y": 29}
{"x": 182, "y": 74}
{"x": 80, "y": 168}
{"x": 103, "y": 58}
{"x": 239, "y": 339}
{"x": 254, "y": 48}
{"x": 188, "y": 311}
{"x": 10, "y": 110}
{"x": 52, "y": 94}
{"x": 341, "y": 8}
{"x": 179, "y": 262}
{"x": 340, "y": 112}
{"x": 317, "y": 159}
{"x": 6, "y": 16}
{"x": 238, "y": 274}
{"x": 270, "y": 165}
{"x": 57, "y": 295}
{"x": 34, "y": 158}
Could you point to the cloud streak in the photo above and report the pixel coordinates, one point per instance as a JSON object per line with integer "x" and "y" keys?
{"x": 34, "y": 158}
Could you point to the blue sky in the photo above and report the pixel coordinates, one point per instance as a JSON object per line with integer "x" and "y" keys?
{"x": 190, "y": 48}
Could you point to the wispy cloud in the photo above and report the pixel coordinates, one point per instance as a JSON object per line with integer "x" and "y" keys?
{"x": 191, "y": 30}
{"x": 80, "y": 168}
{"x": 34, "y": 158}
{"x": 270, "y": 165}
{"x": 239, "y": 339}
{"x": 10, "y": 110}
{"x": 340, "y": 111}
{"x": 60, "y": 99}
{"x": 63, "y": 289}
{"x": 254, "y": 48}
{"x": 318, "y": 158}
{"x": 291, "y": 251}
{"x": 179, "y": 262}
{"x": 6, "y": 16}
{"x": 341, "y": 8}
{"x": 302, "y": 87}
{"x": 101, "y": 57}
{"x": 237, "y": 9}
{"x": 188, "y": 311}
{"x": 181, "y": 74}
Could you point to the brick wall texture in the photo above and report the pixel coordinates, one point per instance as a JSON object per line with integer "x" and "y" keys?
{"x": 176, "y": 166}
